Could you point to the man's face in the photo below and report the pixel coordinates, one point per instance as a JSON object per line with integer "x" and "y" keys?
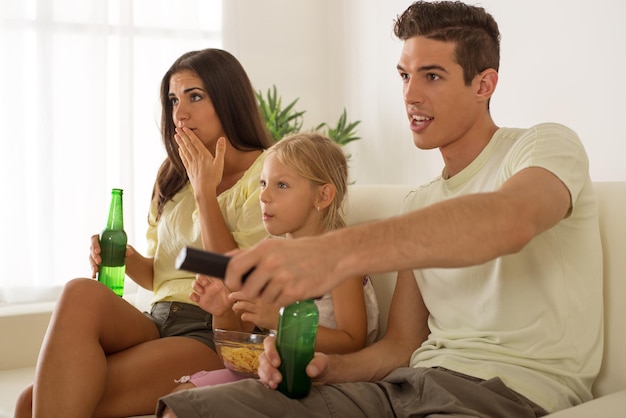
{"x": 442, "y": 110}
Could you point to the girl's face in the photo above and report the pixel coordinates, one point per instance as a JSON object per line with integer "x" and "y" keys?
{"x": 192, "y": 108}
{"x": 288, "y": 201}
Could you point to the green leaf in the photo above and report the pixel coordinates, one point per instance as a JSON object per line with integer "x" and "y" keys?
{"x": 278, "y": 120}
{"x": 281, "y": 121}
{"x": 344, "y": 132}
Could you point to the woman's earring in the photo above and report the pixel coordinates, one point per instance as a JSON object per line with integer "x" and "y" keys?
{"x": 318, "y": 208}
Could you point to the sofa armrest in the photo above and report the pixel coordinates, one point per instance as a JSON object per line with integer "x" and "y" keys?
{"x": 611, "y": 405}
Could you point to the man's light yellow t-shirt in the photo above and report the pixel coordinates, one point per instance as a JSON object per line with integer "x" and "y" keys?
{"x": 533, "y": 318}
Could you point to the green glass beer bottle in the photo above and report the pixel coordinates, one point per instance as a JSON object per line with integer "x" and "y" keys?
{"x": 113, "y": 247}
{"x": 295, "y": 342}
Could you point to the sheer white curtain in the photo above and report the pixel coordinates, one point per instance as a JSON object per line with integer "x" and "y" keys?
{"x": 79, "y": 115}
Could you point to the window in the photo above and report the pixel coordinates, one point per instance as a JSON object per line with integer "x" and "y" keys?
{"x": 80, "y": 116}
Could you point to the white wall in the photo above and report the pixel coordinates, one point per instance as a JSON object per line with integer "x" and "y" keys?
{"x": 562, "y": 61}
{"x": 283, "y": 43}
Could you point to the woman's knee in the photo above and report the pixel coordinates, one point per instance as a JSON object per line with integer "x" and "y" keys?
{"x": 82, "y": 299}
{"x": 82, "y": 292}
{"x": 24, "y": 404}
{"x": 81, "y": 287}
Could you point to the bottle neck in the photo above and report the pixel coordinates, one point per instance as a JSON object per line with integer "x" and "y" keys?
{"x": 116, "y": 212}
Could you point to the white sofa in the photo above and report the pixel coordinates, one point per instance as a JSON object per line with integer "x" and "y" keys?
{"x": 369, "y": 202}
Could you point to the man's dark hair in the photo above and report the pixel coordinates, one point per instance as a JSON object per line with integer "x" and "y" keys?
{"x": 471, "y": 28}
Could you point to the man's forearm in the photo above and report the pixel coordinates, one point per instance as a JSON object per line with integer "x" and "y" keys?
{"x": 458, "y": 232}
{"x": 381, "y": 359}
{"x": 454, "y": 233}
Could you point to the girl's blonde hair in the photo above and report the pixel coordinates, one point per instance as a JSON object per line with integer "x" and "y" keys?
{"x": 321, "y": 161}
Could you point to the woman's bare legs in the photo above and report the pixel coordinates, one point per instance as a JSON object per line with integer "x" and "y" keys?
{"x": 138, "y": 377}
{"x": 101, "y": 354}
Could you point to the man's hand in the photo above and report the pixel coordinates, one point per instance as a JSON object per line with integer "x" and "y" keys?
{"x": 285, "y": 270}
{"x": 269, "y": 362}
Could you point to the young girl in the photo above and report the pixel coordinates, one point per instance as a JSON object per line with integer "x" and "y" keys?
{"x": 304, "y": 181}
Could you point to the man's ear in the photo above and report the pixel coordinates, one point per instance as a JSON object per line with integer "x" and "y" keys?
{"x": 487, "y": 80}
{"x": 325, "y": 195}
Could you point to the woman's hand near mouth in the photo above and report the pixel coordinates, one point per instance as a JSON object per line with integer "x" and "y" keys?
{"x": 203, "y": 169}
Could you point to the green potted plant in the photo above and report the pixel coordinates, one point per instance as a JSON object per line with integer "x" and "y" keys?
{"x": 281, "y": 121}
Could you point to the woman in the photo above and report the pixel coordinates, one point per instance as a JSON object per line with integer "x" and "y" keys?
{"x": 101, "y": 356}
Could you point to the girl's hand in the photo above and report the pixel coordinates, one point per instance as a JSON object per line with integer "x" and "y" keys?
{"x": 203, "y": 169}
{"x": 261, "y": 314}
{"x": 211, "y": 295}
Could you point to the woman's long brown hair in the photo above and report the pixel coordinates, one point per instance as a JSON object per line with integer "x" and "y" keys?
{"x": 234, "y": 100}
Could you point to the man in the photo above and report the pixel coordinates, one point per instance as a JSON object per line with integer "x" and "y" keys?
{"x": 498, "y": 305}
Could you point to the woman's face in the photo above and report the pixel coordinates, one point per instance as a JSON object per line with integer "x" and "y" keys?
{"x": 192, "y": 108}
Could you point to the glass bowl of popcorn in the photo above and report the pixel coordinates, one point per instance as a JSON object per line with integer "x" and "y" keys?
{"x": 239, "y": 351}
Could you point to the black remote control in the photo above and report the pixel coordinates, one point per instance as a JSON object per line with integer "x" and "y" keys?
{"x": 204, "y": 262}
